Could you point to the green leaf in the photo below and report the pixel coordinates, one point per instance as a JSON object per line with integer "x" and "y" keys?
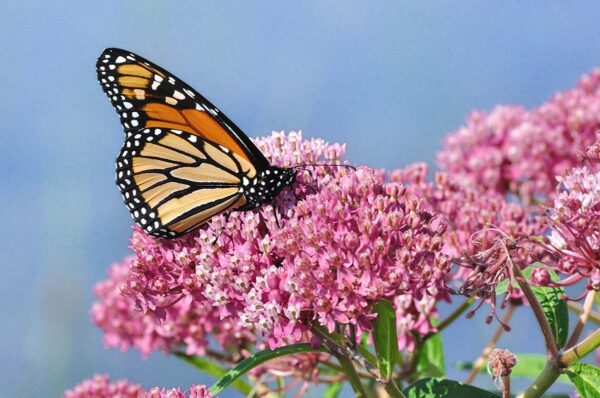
{"x": 258, "y": 359}
{"x": 528, "y": 366}
{"x": 211, "y": 368}
{"x": 333, "y": 389}
{"x": 586, "y": 379}
{"x": 444, "y": 388}
{"x": 385, "y": 338}
{"x": 555, "y": 310}
{"x": 431, "y": 361}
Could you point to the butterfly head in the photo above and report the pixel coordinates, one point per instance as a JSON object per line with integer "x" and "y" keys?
{"x": 266, "y": 185}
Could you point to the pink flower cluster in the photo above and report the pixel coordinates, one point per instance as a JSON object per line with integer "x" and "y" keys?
{"x": 511, "y": 149}
{"x": 100, "y": 386}
{"x": 472, "y": 214}
{"x": 575, "y": 227}
{"x": 342, "y": 240}
{"x": 189, "y": 325}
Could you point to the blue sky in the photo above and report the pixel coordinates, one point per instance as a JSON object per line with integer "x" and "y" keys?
{"x": 389, "y": 79}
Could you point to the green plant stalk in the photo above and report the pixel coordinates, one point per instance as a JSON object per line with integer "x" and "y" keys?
{"x": 392, "y": 389}
{"x": 553, "y": 367}
{"x": 551, "y": 347}
{"x": 335, "y": 342}
{"x": 594, "y": 316}
{"x": 478, "y": 364}
{"x": 351, "y": 374}
{"x": 543, "y": 382}
{"x": 583, "y": 317}
{"x": 574, "y": 354}
{"x": 453, "y": 316}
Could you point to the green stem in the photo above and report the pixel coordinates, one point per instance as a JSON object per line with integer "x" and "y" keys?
{"x": 583, "y": 317}
{"x": 351, "y": 374}
{"x": 594, "y": 315}
{"x": 551, "y": 347}
{"x": 553, "y": 367}
{"x": 543, "y": 381}
{"x": 453, "y": 316}
{"x": 580, "y": 350}
{"x": 335, "y": 342}
{"x": 392, "y": 389}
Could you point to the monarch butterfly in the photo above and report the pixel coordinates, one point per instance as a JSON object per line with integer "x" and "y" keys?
{"x": 183, "y": 160}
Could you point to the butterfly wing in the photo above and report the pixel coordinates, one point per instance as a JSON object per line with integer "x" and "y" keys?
{"x": 183, "y": 161}
{"x": 173, "y": 181}
{"x": 146, "y": 96}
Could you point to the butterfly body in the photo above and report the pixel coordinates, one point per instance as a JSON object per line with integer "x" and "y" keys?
{"x": 183, "y": 161}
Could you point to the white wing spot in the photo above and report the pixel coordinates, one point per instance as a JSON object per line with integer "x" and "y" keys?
{"x": 178, "y": 95}
{"x": 120, "y": 59}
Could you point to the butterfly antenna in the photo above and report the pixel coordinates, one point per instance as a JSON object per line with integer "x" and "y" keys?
{"x": 305, "y": 166}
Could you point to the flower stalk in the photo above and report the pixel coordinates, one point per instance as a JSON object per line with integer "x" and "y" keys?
{"x": 551, "y": 348}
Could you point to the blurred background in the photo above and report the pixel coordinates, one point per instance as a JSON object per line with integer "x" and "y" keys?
{"x": 388, "y": 79}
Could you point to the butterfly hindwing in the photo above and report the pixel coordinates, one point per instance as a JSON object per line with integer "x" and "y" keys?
{"x": 173, "y": 181}
{"x": 146, "y": 96}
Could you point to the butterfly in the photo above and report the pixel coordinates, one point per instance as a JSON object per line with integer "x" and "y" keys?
{"x": 183, "y": 161}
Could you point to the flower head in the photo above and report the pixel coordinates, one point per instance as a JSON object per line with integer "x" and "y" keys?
{"x": 575, "y": 227}
{"x": 511, "y": 149}
{"x": 100, "y": 386}
{"x": 339, "y": 241}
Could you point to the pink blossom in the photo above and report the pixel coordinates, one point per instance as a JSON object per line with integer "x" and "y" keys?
{"x": 190, "y": 323}
{"x": 100, "y": 386}
{"x": 340, "y": 241}
{"x": 469, "y": 211}
{"x": 511, "y": 149}
{"x": 575, "y": 227}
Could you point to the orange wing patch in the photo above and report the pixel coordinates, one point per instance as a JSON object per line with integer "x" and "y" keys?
{"x": 193, "y": 121}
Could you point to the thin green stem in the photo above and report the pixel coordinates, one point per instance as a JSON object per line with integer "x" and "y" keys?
{"x": 333, "y": 366}
{"x": 351, "y": 374}
{"x": 574, "y": 354}
{"x": 551, "y": 347}
{"x": 594, "y": 315}
{"x": 335, "y": 342}
{"x": 553, "y": 367}
{"x": 452, "y": 317}
{"x": 479, "y": 362}
{"x": 583, "y": 317}
{"x": 506, "y": 386}
{"x": 392, "y": 389}
{"x": 544, "y": 380}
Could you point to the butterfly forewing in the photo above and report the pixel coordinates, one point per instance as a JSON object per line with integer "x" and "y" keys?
{"x": 145, "y": 95}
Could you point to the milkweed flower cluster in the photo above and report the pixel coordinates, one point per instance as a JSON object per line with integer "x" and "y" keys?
{"x": 350, "y": 239}
{"x": 575, "y": 227}
{"x": 191, "y": 324}
{"x": 511, "y": 149}
{"x": 100, "y": 386}
{"x": 483, "y": 229}
{"x": 343, "y": 238}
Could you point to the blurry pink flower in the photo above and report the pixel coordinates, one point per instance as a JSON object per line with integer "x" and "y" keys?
{"x": 100, "y": 386}
{"x": 511, "y": 149}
